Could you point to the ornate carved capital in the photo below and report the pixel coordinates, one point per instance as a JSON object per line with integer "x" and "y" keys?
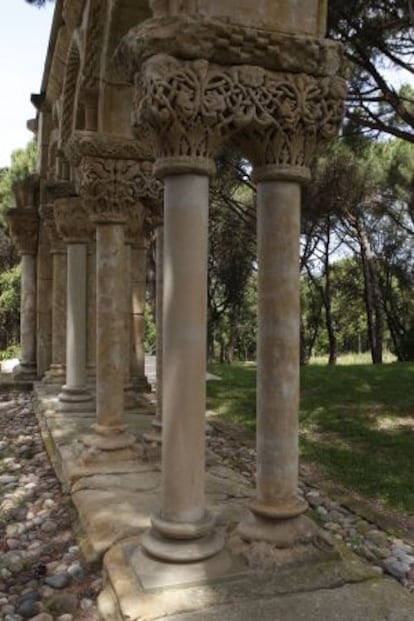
{"x": 26, "y": 191}
{"x": 24, "y": 229}
{"x": 72, "y": 221}
{"x": 48, "y": 219}
{"x": 277, "y": 119}
{"x": 110, "y": 187}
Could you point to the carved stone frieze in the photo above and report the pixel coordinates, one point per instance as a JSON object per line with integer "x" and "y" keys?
{"x": 223, "y": 42}
{"x": 72, "y": 221}
{"x": 49, "y": 223}
{"x": 24, "y": 229}
{"x": 193, "y": 107}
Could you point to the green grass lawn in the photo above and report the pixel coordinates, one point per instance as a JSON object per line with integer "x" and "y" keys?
{"x": 357, "y": 423}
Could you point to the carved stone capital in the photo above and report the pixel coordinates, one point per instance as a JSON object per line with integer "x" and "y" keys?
{"x": 72, "y": 221}
{"x": 111, "y": 187}
{"x": 26, "y": 192}
{"x": 48, "y": 220}
{"x": 277, "y": 119}
{"x": 24, "y": 229}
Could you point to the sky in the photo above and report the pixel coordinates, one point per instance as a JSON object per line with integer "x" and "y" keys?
{"x": 24, "y": 36}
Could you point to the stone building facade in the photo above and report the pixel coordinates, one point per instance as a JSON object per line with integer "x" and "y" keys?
{"x": 136, "y": 101}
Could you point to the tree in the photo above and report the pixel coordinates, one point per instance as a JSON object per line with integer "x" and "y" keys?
{"x": 377, "y": 36}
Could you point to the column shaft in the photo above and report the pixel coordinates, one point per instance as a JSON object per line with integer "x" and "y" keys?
{"x": 159, "y": 287}
{"x": 183, "y": 530}
{"x": 74, "y": 395}
{"x": 185, "y": 304}
{"x": 110, "y": 353}
{"x": 91, "y": 314}
{"x": 56, "y": 373}
{"x": 138, "y": 282}
{"x": 28, "y": 314}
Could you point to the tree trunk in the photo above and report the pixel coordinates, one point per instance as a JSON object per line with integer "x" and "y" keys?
{"x": 371, "y": 296}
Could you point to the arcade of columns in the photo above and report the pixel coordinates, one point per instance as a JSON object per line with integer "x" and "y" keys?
{"x": 133, "y": 102}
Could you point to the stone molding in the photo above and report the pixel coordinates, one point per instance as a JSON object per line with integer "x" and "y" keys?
{"x": 276, "y": 119}
{"x": 47, "y": 215}
{"x": 72, "y": 221}
{"x": 26, "y": 191}
{"x": 94, "y": 144}
{"x": 24, "y": 229}
{"x": 225, "y": 42}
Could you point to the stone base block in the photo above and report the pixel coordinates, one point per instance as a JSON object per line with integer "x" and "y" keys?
{"x": 229, "y": 586}
{"x": 25, "y": 372}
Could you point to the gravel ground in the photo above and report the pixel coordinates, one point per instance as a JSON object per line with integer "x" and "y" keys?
{"x": 43, "y": 576}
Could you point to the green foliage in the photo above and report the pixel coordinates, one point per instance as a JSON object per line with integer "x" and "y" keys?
{"x": 150, "y": 331}
{"x": 354, "y": 423}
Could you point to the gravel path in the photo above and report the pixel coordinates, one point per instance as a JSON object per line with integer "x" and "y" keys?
{"x": 42, "y": 574}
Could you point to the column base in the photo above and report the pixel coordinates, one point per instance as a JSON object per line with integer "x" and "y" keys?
{"x": 141, "y": 383}
{"x": 182, "y": 550}
{"x": 75, "y": 400}
{"x": 130, "y": 398}
{"x": 25, "y": 371}
{"x": 108, "y": 438}
{"x": 281, "y": 510}
{"x": 55, "y": 375}
{"x": 282, "y": 533}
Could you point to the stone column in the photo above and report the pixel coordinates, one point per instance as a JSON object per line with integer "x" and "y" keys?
{"x": 277, "y": 502}
{"x": 91, "y": 315}
{"x": 159, "y": 292}
{"x": 57, "y": 371}
{"x": 24, "y": 224}
{"x": 108, "y": 189}
{"x": 138, "y": 282}
{"x": 74, "y": 226}
{"x": 134, "y": 326}
{"x": 183, "y": 530}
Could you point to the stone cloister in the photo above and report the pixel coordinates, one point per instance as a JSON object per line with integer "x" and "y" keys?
{"x": 137, "y": 99}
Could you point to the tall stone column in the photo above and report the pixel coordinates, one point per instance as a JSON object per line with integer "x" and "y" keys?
{"x": 91, "y": 315}
{"x": 75, "y": 228}
{"x": 108, "y": 189}
{"x": 159, "y": 292}
{"x": 138, "y": 281}
{"x": 277, "y": 508}
{"x": 24, "y": 225}
{"x": 183, "y": 529}
{"x": 135, "y": 300}
{"x": 57, "y": 372}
